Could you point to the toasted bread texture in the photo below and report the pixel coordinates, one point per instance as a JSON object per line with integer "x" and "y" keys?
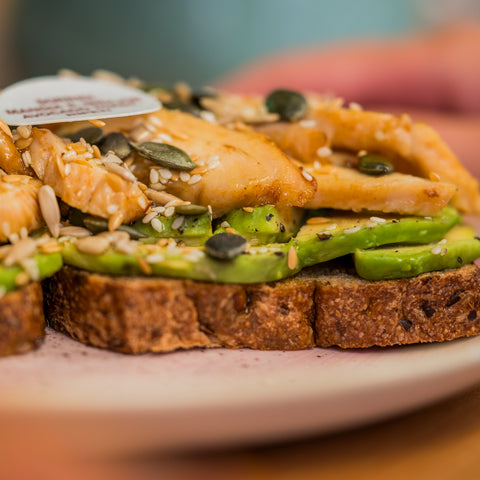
{"x": 322, "y": 306}
{"x": 22, "y": 322}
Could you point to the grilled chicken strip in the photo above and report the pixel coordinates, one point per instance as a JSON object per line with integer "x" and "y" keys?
{"x": 90, "y": 188}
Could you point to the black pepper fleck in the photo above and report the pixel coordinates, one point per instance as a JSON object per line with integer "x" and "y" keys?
{"x": 282, "y": 228}
{"x": 279, "y": 254}
{"x": 472, "y": 315}
{"x": 460, "y": 260}
{"x": 269, "y": 217}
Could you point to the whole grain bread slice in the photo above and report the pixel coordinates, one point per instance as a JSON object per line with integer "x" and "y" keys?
{"x": 322, "y": 306}
{"x": 22, "y": 322}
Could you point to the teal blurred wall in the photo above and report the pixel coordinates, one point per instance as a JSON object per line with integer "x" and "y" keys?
{"x": 192, "y": 40}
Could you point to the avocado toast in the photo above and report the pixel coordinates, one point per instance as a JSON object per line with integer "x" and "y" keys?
{"x": 24, "y": 259}
{"x": 234, "y": 221}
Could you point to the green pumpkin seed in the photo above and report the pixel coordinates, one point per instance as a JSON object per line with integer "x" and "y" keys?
{"x": 164, "y": 155}
{"x": 190, "y": 209}
{"x": 374, "y": 164}
{"x": 117, "y": 143}
{"x": 98, "y": 225}
{"x": 198, "y": 95}
{"x": 225, "y": 246}
{"x": 290, "y": 105}
{"x": 177, "y": 104}
{"x": 90, "y": 134}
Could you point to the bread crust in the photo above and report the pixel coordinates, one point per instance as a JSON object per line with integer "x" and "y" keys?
{"x": 22, "y": 322}
{"x": 321, "y": 306}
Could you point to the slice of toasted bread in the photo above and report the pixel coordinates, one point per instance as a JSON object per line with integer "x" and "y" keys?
{"x": 22, "y": 322}
{"x": 322, "y": 306}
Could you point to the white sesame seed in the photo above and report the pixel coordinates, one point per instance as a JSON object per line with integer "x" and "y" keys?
{"x": 441, "y": 242}
{"x": 184, "y": 176}
{"x": 213, "y": 162}
{"x": 155, "y": 258}
{"x": 68, "y": 168}
{"x": 165, "y": 137}
{"x": 149, "y": 217}
{"x": 308, "y": 123}
{"x": 165, "y": 173}
{"x": 379, "y": 135}
{"x": 194, "y": 179}
{"x": 436, "y": 249}
{"x": 307, "y": 176}
{"x": 443, "y": 252}
{"x": 333, "y": 226}
{"x": 69, "y": 155}
{"x": 31, "y": 267}
{"x": 324, "y": 152}
{"x": 6, "y": 229}
{"x": 355, "y": 106}
{"x": 208, "y": 116}
{"x": 120, "y": 171}
{"x": 178, "y": 222}
{"x": 169, "y": 211}
{"x": 155, "y": 120}
{"x": 377, "y": 219}
{"x": 157, "y": 225}
{"x": 140, "y": 134}
{"x": 154, "y": 176}
{"x": 111, "y": 209}
{"x": 352, "y": 229}
{"x": 110, "y": 157}
{"x": 225, "y": 224}
{"x": 157, "y": 186}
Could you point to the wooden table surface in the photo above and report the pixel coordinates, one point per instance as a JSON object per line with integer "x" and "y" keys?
{"x": 441, "y": 441}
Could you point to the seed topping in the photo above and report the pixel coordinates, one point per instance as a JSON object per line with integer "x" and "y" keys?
{"x": 225, "y": 246}
{"x": 164, "y": 155}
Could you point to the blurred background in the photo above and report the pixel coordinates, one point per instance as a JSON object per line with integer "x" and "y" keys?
{"x": 191, "y": 40}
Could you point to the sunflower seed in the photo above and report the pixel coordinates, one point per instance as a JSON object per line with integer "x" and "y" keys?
{"x": 50, "y": 209}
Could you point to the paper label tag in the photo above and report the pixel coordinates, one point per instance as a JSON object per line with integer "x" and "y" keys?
{"x": 53, "y": 99}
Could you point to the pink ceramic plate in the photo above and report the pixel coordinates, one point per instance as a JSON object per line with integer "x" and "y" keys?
{"x": 106, "y": 402}
{"x": 103, "y": 401}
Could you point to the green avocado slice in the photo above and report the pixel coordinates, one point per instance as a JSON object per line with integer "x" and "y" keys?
{"x": 459, "y": 247}
{"x": 266, "y": 263}
{"x": 191, "y": 229}
{"x": 259, "y": 264}
{"x": 47, "y": 264}
{"x": 265, "y": 224}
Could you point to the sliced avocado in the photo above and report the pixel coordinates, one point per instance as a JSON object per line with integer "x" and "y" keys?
{"x": 47, "y": 264}
{"x": 338, "y": 236}
{"x": 265, "y": 224}
{"x": 192, "y": 230}
{"x": 258, "y": 264}
{"x": 346, "y": 232}
{"x": 459, "y": 247}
